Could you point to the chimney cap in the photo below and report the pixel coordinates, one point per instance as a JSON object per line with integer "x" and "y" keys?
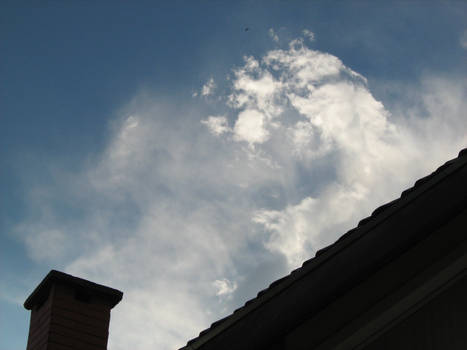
{"x": 42, "y": 290}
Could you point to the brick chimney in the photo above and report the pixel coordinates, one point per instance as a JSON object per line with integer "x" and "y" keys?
{"x": 68, "y": 312}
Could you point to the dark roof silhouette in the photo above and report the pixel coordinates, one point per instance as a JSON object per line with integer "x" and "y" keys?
{"x": 69, "y": 312}
{"x": 391, "y": 230}
{"x": 42, "y": 291}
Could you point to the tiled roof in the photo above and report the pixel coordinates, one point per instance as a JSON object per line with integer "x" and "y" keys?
{"x": 378, "y": 216}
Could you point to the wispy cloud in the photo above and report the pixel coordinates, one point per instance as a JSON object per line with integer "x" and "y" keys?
{"x": 273, "y": 35}
{"x": 224, "y": 287}
{"x": 189, "y": 213}
{"x": 208, "y": 88}
{"x": 463, "y": 39}
{"x": 216, "y": 124}
{"x": 309, "y": 34}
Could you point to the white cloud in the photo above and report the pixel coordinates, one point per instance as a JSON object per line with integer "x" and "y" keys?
{"x": 208, "y": 88}
{"x": 254, "y": 86}
{"x": 309, "y": 34}
{"x": 249, "y": 127}
{"x": 224, "y": 287}
{"x": 166, "y": 209}
{"x": 273, "y": 35}
{"x": 289, "y": 230}
{"x": 323, "y": 108}
{"x": 303, "y": 67}
{"x": 299, "y": 230}
{"x": 217, "y": 125}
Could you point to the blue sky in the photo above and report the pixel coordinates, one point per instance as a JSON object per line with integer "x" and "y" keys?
{"x": 162, "y": 149}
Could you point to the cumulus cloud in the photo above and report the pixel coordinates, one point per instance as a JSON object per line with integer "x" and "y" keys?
{"x": 299, "y": 107}
{"x": 184, "y": 222}
{"x": 249, "y": 127}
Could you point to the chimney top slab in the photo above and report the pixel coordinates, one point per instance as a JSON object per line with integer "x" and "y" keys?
{"x": 113, "y": 296}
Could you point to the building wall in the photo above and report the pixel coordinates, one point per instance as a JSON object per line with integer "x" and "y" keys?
{"x": 440, "y": 324}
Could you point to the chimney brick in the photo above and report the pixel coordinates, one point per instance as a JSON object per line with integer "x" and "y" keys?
{"x": 70, "y": 313}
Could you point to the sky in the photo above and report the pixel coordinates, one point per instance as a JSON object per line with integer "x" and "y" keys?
{"x": 190, "y": 153}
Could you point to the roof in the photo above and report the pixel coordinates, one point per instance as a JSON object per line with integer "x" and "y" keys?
{"x": 383, "y": 236}
{"x": 113, "y": 296}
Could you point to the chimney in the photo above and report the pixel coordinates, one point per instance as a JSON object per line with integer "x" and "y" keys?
{"x": 68, "y": 312}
